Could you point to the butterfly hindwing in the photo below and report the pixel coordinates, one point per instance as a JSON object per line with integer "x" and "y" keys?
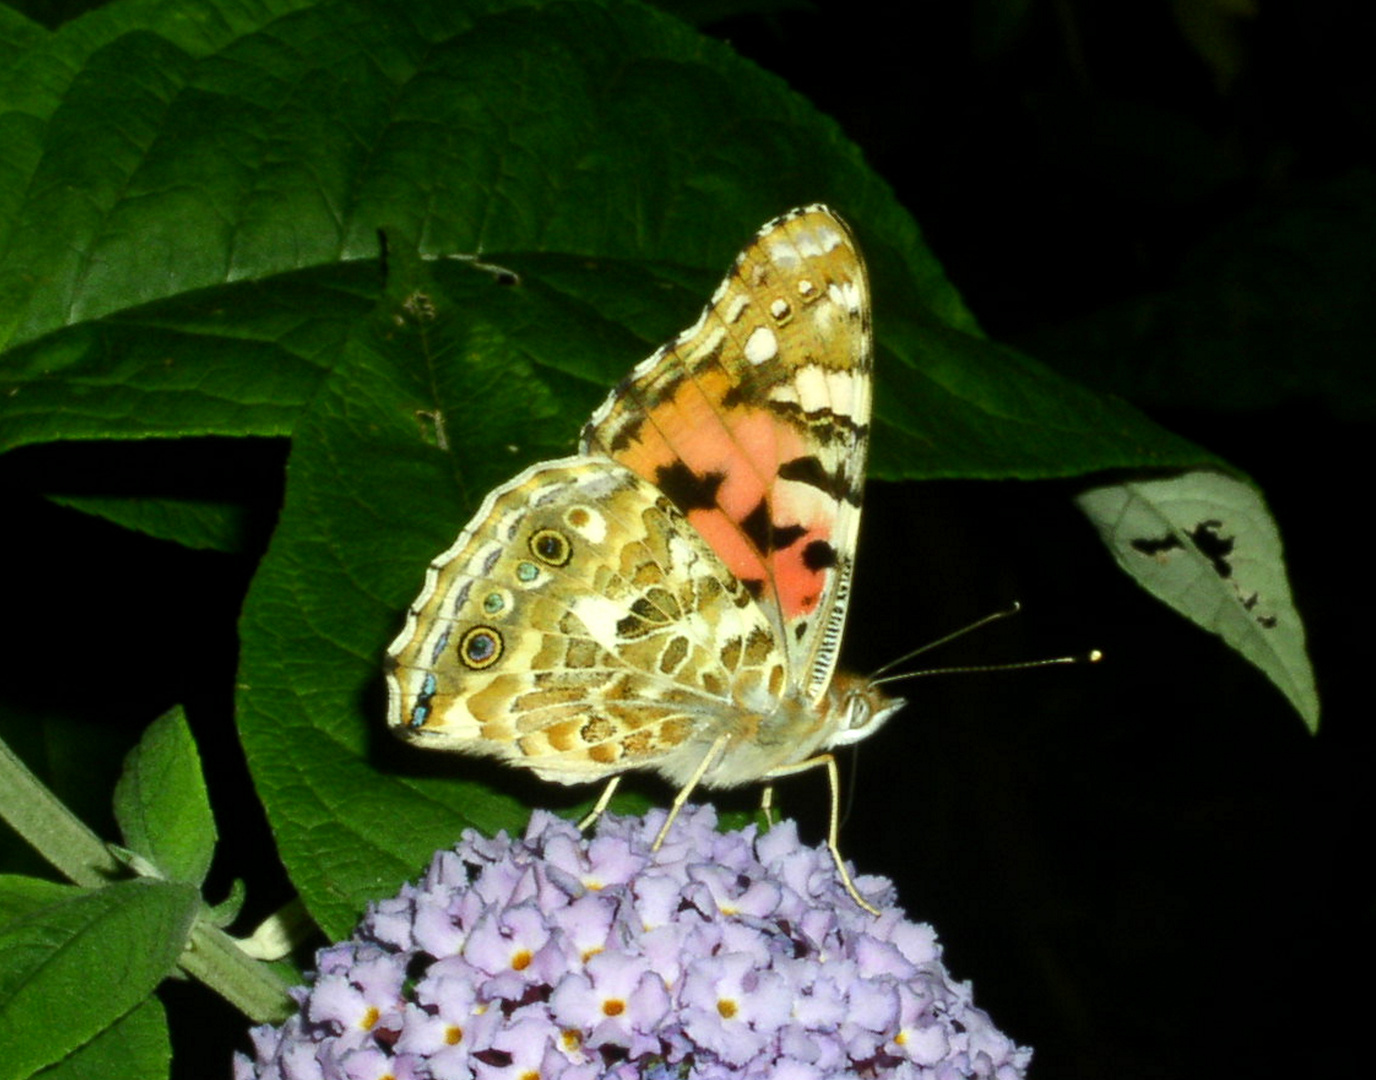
{"x": 580, "y": 627}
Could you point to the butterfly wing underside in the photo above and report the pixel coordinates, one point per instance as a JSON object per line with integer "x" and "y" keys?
{"x": 580, "y": 627}
{"x": 673, "y": 597}
{"x": 755, "y": 422}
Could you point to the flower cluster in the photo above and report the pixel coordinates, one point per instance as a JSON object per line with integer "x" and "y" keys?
{"x": 558, "y": 957}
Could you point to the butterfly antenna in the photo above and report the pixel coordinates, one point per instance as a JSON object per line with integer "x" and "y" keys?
{"x": 1091, "y": 657}
{"x": 977, "y": 624}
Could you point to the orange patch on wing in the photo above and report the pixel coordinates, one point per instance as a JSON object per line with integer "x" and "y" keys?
{"x": 744, "y": 446}
{"x": 742, "y": 558}
{"x": 800, "y": 587}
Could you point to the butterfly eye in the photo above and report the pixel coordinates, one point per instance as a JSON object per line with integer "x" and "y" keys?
{"x": 480, "y": 648}
{"x": 551, "y": 546}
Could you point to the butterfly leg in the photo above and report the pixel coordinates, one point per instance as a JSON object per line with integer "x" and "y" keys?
{"x": 602, "y": 801}
{"x": 708, "y": 760}
{"x": 767, "y": 805}
{"x": 834, "y": 829}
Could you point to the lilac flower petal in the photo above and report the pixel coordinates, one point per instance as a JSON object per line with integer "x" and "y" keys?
{"x": 926, "y": 1046}
{"x": 584, "y": 925}
{"x": 792, "y": 1069}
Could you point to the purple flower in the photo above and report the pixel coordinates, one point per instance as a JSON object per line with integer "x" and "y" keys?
{"x": 558, "y": 957}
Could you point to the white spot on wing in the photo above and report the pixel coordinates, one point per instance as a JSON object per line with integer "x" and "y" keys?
{"x": 784, "y": 255}
{"x": 707, "y": 344}
{"x": 600, "y": 616}
{"x": 816, "y": 242}
{"x": 594, "y": 529}
{"x": 785, "y": 392}
{"x": 819, "y": 388}
{"x": 761, "y": 345}
{"x": 847, "y": 294}
{"x": 811, "y": 384}
{"x": 738, "y": 305}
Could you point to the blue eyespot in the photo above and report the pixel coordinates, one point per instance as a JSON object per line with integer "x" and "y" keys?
{"x": 480, "y": 648}
{"x": 551, "y": 547}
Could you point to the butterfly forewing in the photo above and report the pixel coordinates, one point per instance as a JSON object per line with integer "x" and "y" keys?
{"x": 755, "y": 421}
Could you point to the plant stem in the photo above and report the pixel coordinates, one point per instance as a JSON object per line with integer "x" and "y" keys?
{"x": 211, "y": 956}
{"x": 214, "y": 958}
{"x": 57, "y": 834}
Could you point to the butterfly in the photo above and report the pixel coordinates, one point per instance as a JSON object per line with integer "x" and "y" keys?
{"x": 672, "y": 597}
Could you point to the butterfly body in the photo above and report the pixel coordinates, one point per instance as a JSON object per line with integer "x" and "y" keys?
{"x": 672, "y": 597}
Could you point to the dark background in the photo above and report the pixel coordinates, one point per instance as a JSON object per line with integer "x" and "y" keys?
{"x": 1147, "y": 867}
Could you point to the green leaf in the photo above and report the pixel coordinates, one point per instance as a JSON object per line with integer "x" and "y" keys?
{"x": 20, "y": 895}
{"x": 71, "y": 970}
{"x": 965, "y": 407}
{"x": 1206, "y": 544}
{"x": 239, "y": 362}
{"x": 135, "y": 1045}
{"x": 315, "y": 616}
{"x": 161, "y": 802}
{"x": 193, "y": 523}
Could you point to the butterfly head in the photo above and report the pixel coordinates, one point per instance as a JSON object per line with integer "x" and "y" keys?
{"x": 861, "y": 708}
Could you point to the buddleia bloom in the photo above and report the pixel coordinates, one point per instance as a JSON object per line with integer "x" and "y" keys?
{"x": 559, "y": 957}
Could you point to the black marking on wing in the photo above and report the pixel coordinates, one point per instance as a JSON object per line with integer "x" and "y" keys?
{"x": 764, "y": 534}
{"x": 819, "y": 555}
{"x": 827, "y": 424}
{"x": 687, "y": 489}
{"x": 809, "y": 470}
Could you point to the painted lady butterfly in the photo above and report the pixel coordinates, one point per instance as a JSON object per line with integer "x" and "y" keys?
{"x": 672, "y": 597}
